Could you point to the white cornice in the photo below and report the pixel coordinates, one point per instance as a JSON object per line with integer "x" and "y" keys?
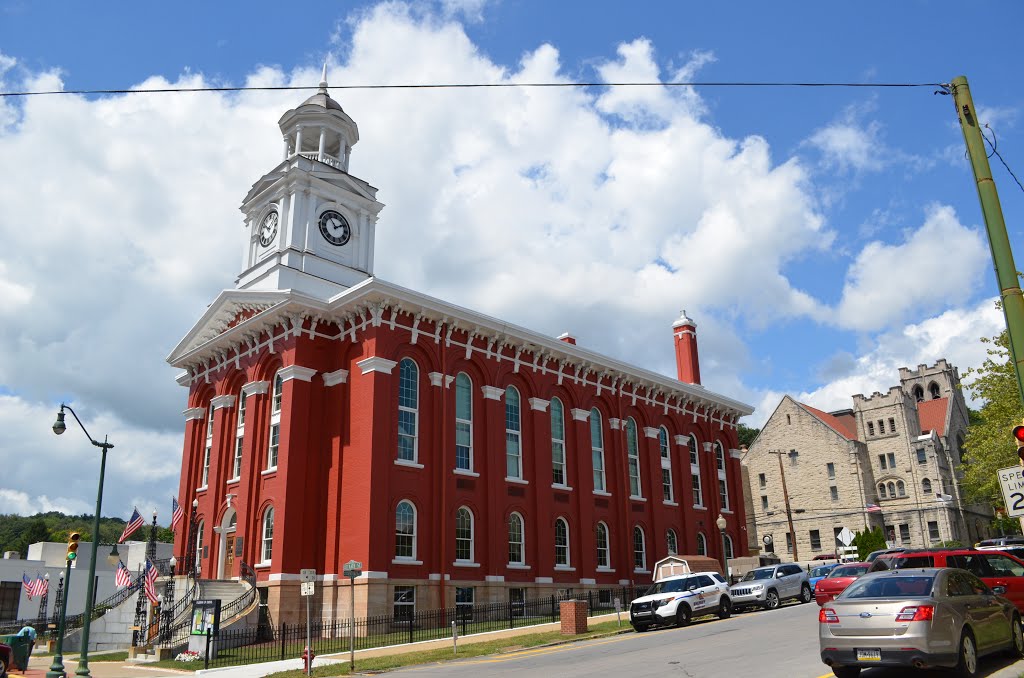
{"x": 492, "y": 392}
{"x": 539, "y": 404}
{"x": 194, "y": 413}
{"x": 336, "y": 377}
{"x": 297, "y": 372}
{"x": 650, "y": 432}
{"x": 255, "y": 388}
{"x": 684, "y": 441}
{"x": 376, "y": 364}
{"x": 614, "y": 423}
{"x": 735, "y": 454}
{"x": 580, "y": 415}
{"x": 222, "y": 401}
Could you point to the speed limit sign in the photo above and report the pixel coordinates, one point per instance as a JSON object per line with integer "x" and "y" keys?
{"x": 1011, "y": 481}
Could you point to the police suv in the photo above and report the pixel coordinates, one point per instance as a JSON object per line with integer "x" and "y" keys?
{"x": 678, "y": 599}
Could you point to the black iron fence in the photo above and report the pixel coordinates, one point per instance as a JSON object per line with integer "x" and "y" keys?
{"x": 286, "y": 641}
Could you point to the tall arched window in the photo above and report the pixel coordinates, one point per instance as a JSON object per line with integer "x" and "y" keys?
{"x": 464, "y": 535}
{"x": 881, "y": 491}
{"x": 702, "y": 544}
{"x": 408, "y": 409}
{"x": 698, "y": 494}
{"x": 275, "y": 421}
{"x": 513, "y": 435}
{"x": 267, "y": 540}
{"x": 926, "y": 486}
{"x": 892, "y": 489}
{"x": 666, "y": 465}
{"x": 561, "y": 543}
{"x": 208, "y": 452}
{"x": 405, "y": 530}
{"x": 199, "y": 544}
{"x": 723, "y": 483}
{"x": 602, "y": 545}
{"x": 633, "y": 459}
{"x": 918, "y": 393}
{"x": 463, "y": 422}
{"x": 516, "y": 555}
{"x": 728, "y": 547}
{"x": 597, "y": 450}
{"x": 236, "y": 466}
{"x": 901, "y": 489}
{"x": 933, "y": 389}
{"x": 672, "y": 542}
{"x": 639, "y": 549}
{"x": 557, "y": 443}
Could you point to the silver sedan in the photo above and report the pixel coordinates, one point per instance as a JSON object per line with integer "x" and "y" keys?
{"x": 930, "y": 617}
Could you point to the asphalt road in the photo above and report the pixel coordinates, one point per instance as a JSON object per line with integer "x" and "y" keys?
{"x": 768, "y": 644}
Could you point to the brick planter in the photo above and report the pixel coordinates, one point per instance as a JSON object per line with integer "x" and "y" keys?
{"x": 574, "y": 617}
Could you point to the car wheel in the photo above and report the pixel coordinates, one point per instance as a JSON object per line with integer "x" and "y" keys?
{"x": 1018, "y": 636}
{"x": 771, "y": 600}
{"x": 846, "y": 671}
{"x": 682, "y": 615}
{"x": 640, "y": 628}
{"x": 967, "y": 666}
{"x": 805, "y": 594}
{"x": 3, "y": 668}
{"x": 724, "y": 608}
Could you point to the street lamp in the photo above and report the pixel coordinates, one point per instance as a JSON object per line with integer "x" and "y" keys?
{"x": 58, "y": 428}
{"x": 721, "y": 530}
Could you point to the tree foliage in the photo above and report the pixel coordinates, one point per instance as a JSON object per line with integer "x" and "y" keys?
{"x": 868, "y": 541}
{"x": 18, "y": 532}
{"x": 988, "y": 446}
{"x": 746, "y": 434}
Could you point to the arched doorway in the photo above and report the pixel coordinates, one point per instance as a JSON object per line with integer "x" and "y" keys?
{"x": 226, "y": 561}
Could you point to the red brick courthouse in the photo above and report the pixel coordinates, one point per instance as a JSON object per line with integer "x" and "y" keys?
{"x": 335, "y": 416}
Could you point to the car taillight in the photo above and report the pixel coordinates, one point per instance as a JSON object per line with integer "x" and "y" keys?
{"x": 827, "y": 615}
{"x": 915, "y": 613}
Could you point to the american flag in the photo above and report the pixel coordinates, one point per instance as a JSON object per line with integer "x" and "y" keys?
{"x": 873, "y": 508}
{"x": 151, "y": 575}
{"x": 176, "y": 513}
{"x": 135, "y": 523}
{"x": 122, "y": 577}
{"x": 26, "y": 584}
{"x": 40, "y": 586}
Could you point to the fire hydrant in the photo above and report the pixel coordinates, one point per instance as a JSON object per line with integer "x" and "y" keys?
{"x": 307, "y": 659}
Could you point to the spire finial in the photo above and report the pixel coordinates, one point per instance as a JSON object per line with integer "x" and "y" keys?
{"x": 323, "y": 80}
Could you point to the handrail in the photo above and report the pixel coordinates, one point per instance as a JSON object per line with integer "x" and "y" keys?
{"x": 75, "y": 621}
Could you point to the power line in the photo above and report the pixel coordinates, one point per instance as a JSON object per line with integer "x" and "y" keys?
{"x": 480, "y": 85}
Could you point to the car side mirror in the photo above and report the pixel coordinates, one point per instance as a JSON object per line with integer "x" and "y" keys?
{"x": 999, "y": 590}
{"x": 780, "y": 575}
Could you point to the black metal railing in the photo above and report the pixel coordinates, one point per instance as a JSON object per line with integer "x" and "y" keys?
{"x": 242, "y": 602}
{"x": 72, "y": 622}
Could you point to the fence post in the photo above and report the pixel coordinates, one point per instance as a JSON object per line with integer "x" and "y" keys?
{"x": 463, "y": 621}
{"x": 553, "y": 617}
{"x": 206, "y": 660}
{"x": 590, "y": 603}
{"x": 283, "y": 627}
{"x": 410, "y": 627}
{"x": 511, "y": 619}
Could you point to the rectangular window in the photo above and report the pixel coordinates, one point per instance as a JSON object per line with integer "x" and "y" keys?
{"x": 517, "y": 599}
{"x": 206, "y": 465}
{"x": 406, "y": 434}
{"x": 463, "y": 436}
{"x": 404, "y": 602}
{"x": 834, "y": 492}
{"x": 464, "y": 597}
{"x": 922, "y": 458}
{"x": 513, "y": 449}
{"x": 881, "y": 461}
{"x": 933, "y": 530}
{"x": 557, "y": 443}
{"x": 10, "y": 597}
{"x": 241, "y": 409}
{"x": 881, "y": 427}
{"x": 871, "y": 429}
{"x": 236, "y": 469}
{"x": 723, "y": 493}
{"x": 815, "y": 540}
{"x": 831, "y": 470}
{"x": 905, "y": 533}
{"x": 892, "y": 460}
{"x": 275, "y": 435}
{"x": 892, "y": 425}
{"x": 666, "y": 483}
{"x": 698, "y": 500}
{"x": 463, "y": 423}
{"x": 633, "y": 459}
{"x": 762, "y": 481}
{"x": 597, "y": 450}
{"x": 835, "y": 535}
{"x": 789, "y": 541}
{"x": 764, "y": 503}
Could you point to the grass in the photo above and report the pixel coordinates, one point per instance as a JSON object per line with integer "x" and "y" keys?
{"x": 109, "y": 657}
{"x": 478, "y": 649}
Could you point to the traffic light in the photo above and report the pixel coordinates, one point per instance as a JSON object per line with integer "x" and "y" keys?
{"x": 1018, "y": 439}
{"x": 73, "y": 545}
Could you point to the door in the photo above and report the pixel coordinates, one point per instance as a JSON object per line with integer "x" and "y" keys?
{"x": 229, "y": 556}
{"x": 1007, "y": 572}
{"x": 984, "y": 611}
{"x": 709, "y": 592}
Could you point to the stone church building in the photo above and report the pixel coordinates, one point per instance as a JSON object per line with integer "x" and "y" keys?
{"x": 892, "y": 461}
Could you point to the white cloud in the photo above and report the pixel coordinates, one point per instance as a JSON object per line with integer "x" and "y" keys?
{"x": 848, "y": 144}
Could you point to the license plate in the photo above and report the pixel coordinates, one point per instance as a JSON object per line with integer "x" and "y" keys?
{"x": 872, "y": 655}
{"x": 641, "y": 614}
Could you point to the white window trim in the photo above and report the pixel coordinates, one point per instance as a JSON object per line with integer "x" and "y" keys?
{"x": 471, "y": 561}
{"x": 630, "y": 457}
{"x": 415, "y": 414}
{"x": 519, "y": 437}
{"x": 522, "y": 543}
{"x": 564, "y": 488}
{"x": 408, "y": 464}
{"x": 517, "y": 481}
{"x": 568, "y": 546}
{"x": 263, "y": 535}
{"x": 559, "y": 441}
{"x": 468, "y": 422}
{"x": 415, "y": 532}
{"x": 463, "y": 472}
{"x": 666, "y": 465}
{"x": 600, "y": 448}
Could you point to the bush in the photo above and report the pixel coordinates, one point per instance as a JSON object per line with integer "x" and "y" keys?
{"x": 868, "y": 541}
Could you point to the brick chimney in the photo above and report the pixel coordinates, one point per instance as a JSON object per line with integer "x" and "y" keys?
{"x": 567, "y": 338}
{"x": 687, "y": 364}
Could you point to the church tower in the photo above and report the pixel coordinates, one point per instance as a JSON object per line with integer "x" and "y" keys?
{"x": 311, "y": 223}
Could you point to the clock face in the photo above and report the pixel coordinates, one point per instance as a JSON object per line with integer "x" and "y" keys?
{"x": 268, "y": 229}
{"x": 334, "y": 228}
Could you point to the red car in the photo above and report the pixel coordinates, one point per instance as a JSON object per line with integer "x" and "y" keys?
{"x": 837, "y": 580}
{"x": 6, "y": 659}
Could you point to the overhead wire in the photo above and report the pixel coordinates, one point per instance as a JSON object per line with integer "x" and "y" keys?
{"x": 995, "y": 152}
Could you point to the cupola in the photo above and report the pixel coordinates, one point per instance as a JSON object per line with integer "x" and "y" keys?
{"x": 319, "y": 129}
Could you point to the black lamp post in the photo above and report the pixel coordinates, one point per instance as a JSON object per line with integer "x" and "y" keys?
{"x": 57, "y": 604}
{"x": 725, "y": 558}
{"x": 191, "y": 544}
{"x": 58, "y": 428}
{"x": 43, "y": 600}
{"x": 167, "y": 610}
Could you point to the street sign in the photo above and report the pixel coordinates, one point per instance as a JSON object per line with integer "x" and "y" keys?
{"x": 845, "y": 537}
{"x": 1011, "y": 482}
{"x": 308, "y": 588}
{"x": 352, "y": 569}
{"x": 308, "y": 575}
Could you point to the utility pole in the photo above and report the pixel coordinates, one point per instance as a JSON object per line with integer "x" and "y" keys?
{"x": 785, "y": 497}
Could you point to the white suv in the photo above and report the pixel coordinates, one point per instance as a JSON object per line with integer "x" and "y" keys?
{"x": 769, "y": 586}
{"x": 676, "y": 600}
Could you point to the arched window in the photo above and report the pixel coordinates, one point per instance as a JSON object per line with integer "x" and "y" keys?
{"x": 464, "y": 535}
{"x": 267, "y": 540}
{"x": 513, "y": 437}
{"x": 672, "y": 542}
{"x": 557, "y": 442}
{"x": 597, "y": 450}
{"x": 639, "y": 549}
{"x": 633, "y": 459}
{"x": 702, "y": 544}
{"x": 881, "y": 490}
{"x": 463, "y": 422}
{"x": 933, "y": 389}
{"x": 698, "y": 494}
{"x": 275, "y": 421}
{"x": 236, "y": 465}
{"x": 199, "y": 545}
{"x": 901, "y": 489}
{"x": 561, "y": 543}
{"x": 918, "y": 393}
{"x": 408, "y": 409}
{"x": 926, "y": 486}
{"x": 405, "y": 530}
{"x": 892, "y": 489}
{"x": 208, "y": 452}
{"x": 666, "y": 465}
{"x": 728, "y": 547}
{"x": 515, "y": 540}
{"x": 602, "y": 545}
{"x": 723, "y": 483}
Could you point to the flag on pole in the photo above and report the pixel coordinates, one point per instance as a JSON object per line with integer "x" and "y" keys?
{"x": 151, "y": 575}
{"x": 873, "y": 508}
{"x": 176, "y": 513}
{"x": 134, "y": 524}
{"x": 40, "y": 586}
{"x": 27, "y": 585}
{"x": 122, "y": 576}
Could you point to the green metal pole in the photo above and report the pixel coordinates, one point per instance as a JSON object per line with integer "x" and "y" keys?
{"x": 57, "y": 667}
{"x": 83, "y": 661}
{"x": 999, "y": 242}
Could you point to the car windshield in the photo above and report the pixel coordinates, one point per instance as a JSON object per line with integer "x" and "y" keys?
{"x": 821, "y": 571}
{"x": 910, "y": 586}
{"x": 764, "y": 573}
{"x": 849, "y": 571}
{"x": 669, "y": 586}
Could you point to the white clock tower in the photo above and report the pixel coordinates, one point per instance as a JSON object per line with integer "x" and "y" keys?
{"x": 311, "y": 223}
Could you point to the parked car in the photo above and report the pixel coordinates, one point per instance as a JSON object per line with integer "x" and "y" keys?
{"x": 874, "y": 554}
{"x": 678, "y": 599}
{"x": 838, "y": 579}
{"x": 820, "y": 572}
{"x": 768, "y": 586}
{"x": 6, "y": 659}
{"x": 995, "y": 568}
{"x": 825, "y": 556}
{"x": 919, "y": 618}
{"x": 1013, "y": 540}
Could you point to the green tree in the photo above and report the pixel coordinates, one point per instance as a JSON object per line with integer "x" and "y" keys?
{"x": 747, "y": 434}
{"x": 868, "y": 541}
{"x": 987, "y": 447}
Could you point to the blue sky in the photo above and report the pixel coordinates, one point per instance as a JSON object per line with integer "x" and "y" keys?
{"x": 821, "y": 237}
